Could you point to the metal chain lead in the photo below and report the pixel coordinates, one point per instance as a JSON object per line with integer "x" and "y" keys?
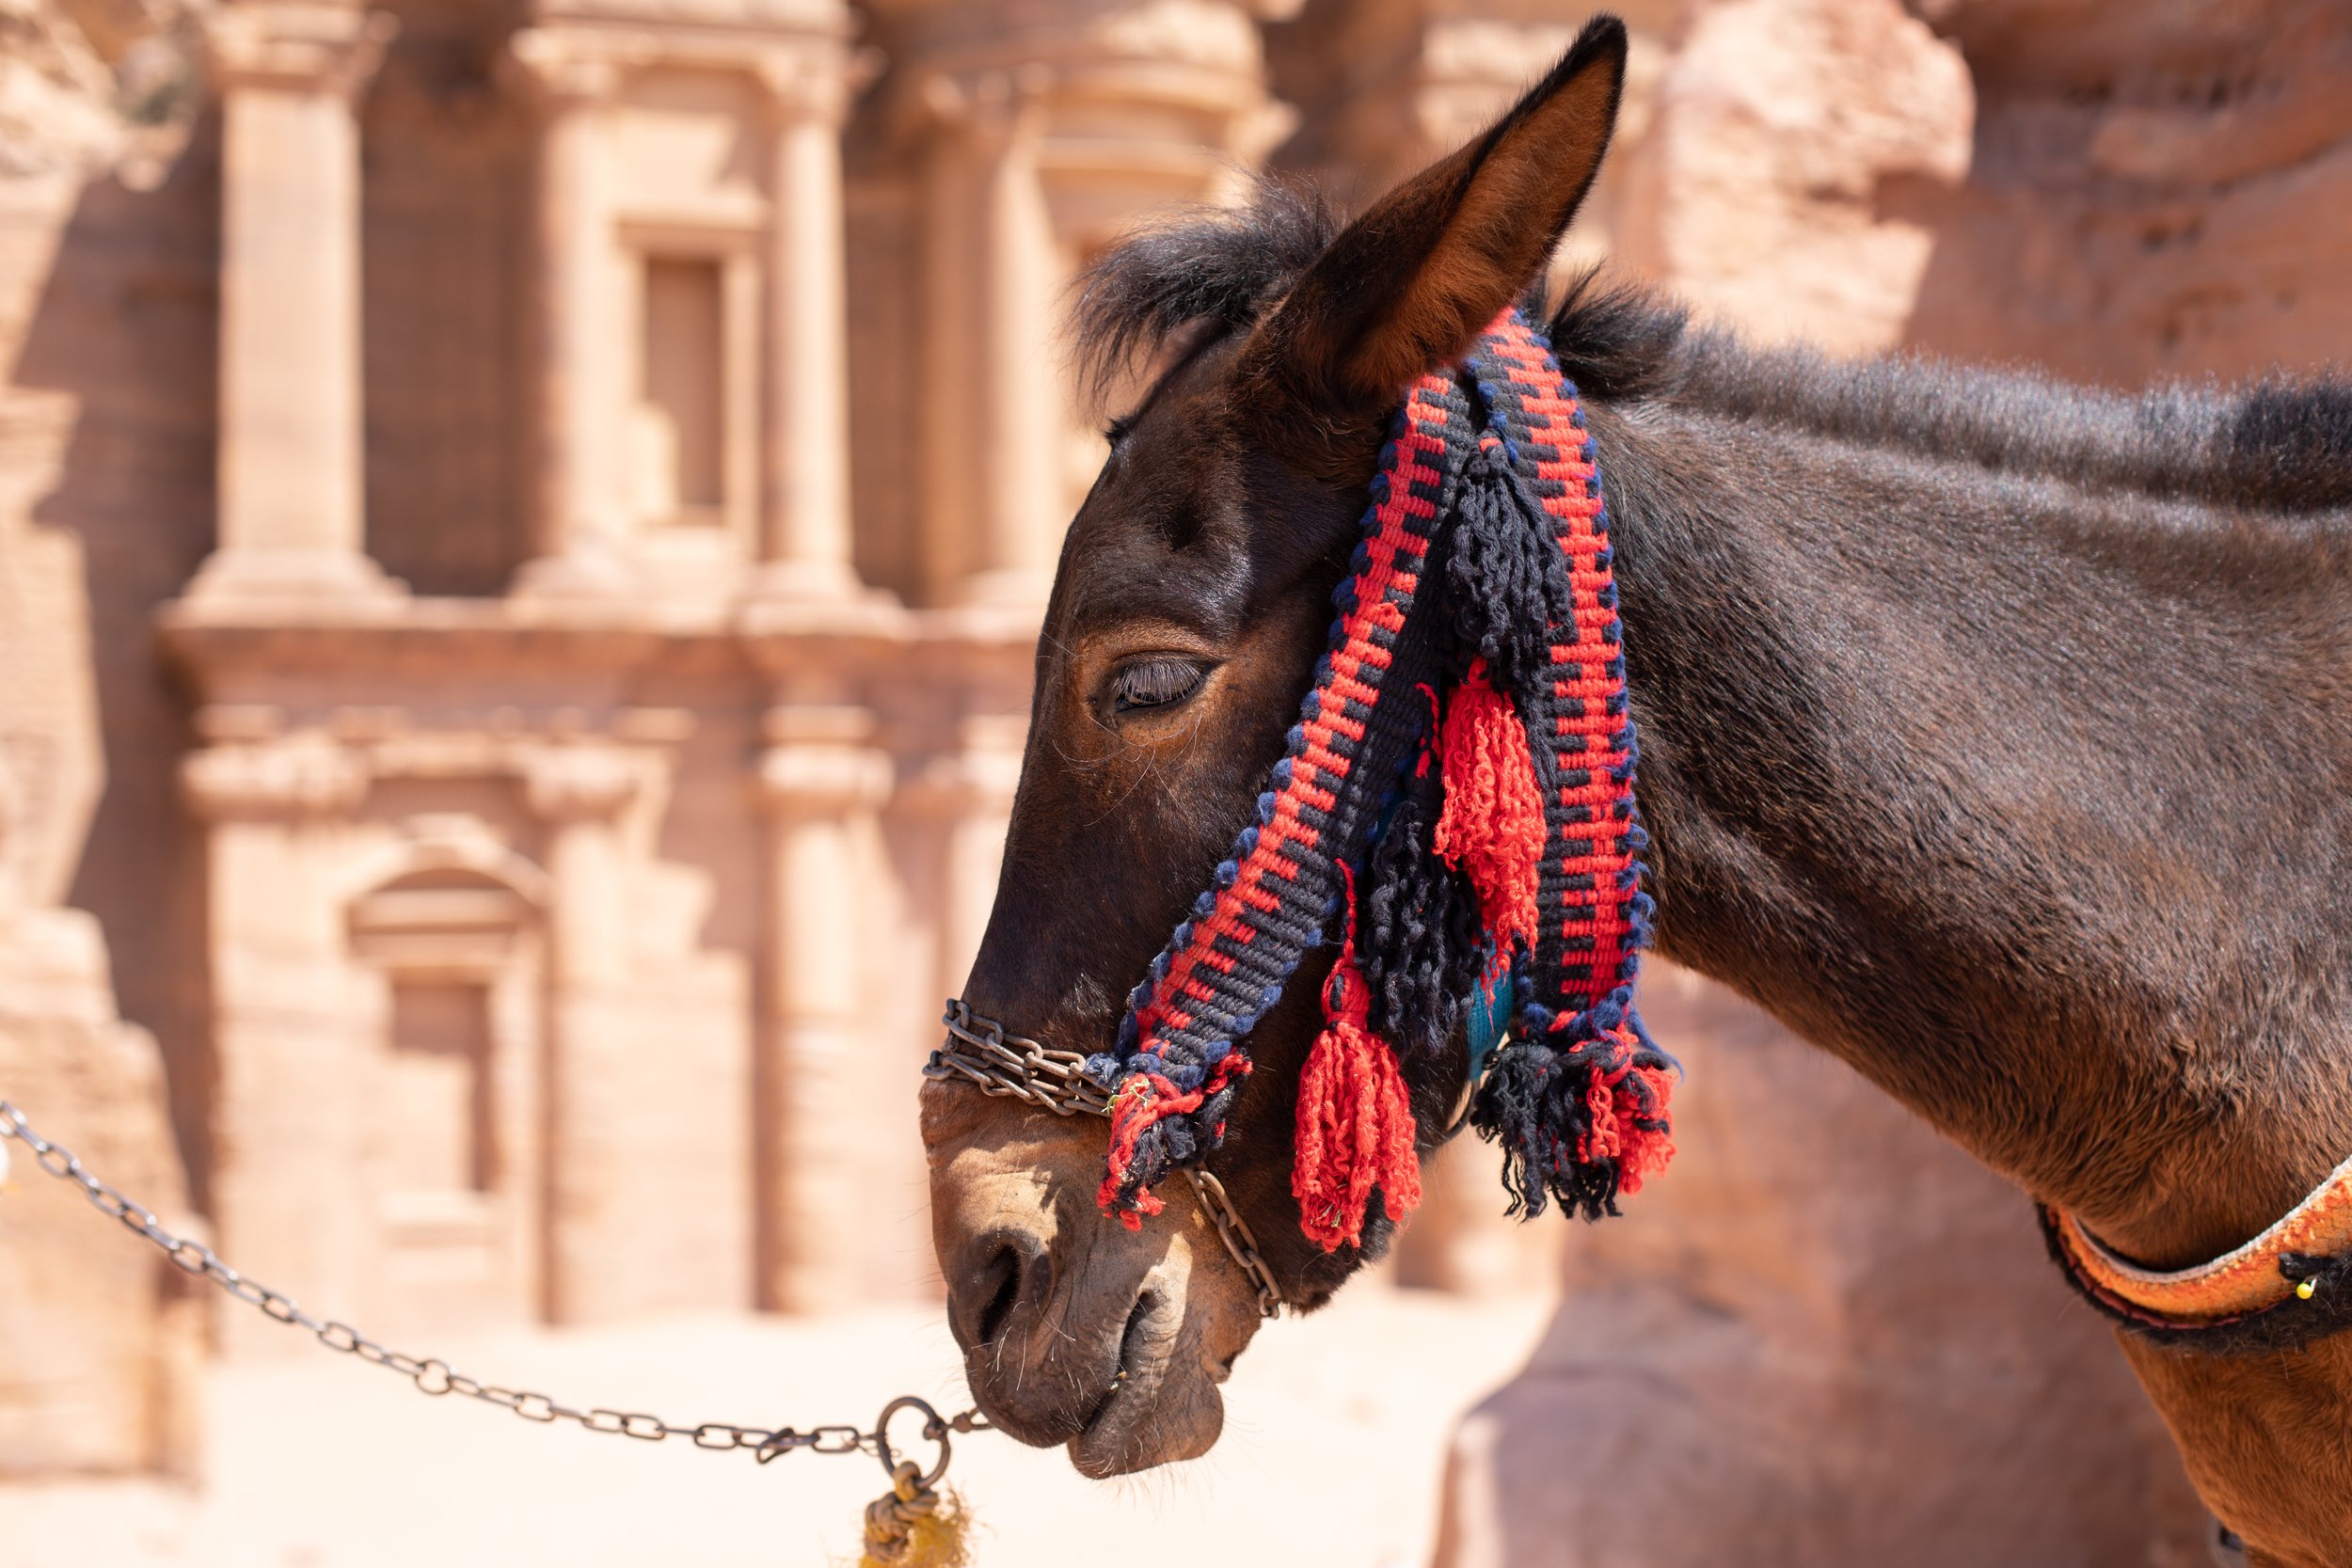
{"x": 432, "y": 1375}
{"x": 978, "y": 1052}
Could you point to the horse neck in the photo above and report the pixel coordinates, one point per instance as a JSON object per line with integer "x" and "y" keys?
{"x": 2022, "y": 799}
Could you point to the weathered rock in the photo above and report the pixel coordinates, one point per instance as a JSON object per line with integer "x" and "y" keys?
{"x": 2158, "y": 191}
{"x": 100, "y": 1336}
{"x": 1781, "y": 132}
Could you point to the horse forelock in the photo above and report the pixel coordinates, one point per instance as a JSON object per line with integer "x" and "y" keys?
{"x": 1212, "y": 268}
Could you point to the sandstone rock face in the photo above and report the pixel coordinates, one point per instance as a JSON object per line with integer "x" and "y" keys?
{"x": 99, "y": 1335}
{"x": 2155, "y": 191}
{"x": 1778, "y": 132}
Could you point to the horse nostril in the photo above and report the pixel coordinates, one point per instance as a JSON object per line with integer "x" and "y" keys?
{"x": 998, "y": 1287}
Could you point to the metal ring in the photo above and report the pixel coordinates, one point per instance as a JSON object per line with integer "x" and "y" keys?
{"x": 933, "y": 1428}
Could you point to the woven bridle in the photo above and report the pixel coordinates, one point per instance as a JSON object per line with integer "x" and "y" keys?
{"x": 1455, "y": 810}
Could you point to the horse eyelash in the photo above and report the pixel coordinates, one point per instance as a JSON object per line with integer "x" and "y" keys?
{"x": 1155, "y": 683}
{"x": 1118, "y": 429}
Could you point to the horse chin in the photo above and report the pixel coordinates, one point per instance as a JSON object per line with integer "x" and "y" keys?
{"x": 1163, "y": 1405}
{"x": 1075, "y": 1330}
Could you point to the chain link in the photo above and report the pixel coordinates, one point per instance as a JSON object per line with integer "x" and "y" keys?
{"x": 978, "y": 1052}
{"x": 1235, "y": 1232}
{"x": 432, "y": 1375}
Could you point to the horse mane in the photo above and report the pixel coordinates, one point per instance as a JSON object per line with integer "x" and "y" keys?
{"x": 2276, "y": 443}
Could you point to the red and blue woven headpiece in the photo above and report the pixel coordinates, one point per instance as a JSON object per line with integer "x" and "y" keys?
{"x": 1457, "y": 797}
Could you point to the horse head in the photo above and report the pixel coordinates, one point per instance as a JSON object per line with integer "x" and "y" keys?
{"x": 1191, "y": 605}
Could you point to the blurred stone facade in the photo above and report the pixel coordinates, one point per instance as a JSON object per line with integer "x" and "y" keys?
{"x": 521, "y": 527}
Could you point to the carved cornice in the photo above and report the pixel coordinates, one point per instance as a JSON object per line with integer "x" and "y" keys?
{"x": 815, "y": 82}
{"x": 797, "y": 780}
{"x": 297, "y": 776}
{"x": 799, "y": 16}
{"x": 1233, "y": 116}
{"x": 808, "y": 74}
{"x": 556, "y": 70}
{"x": 573, "y": 782}
{"x": 987, "y": 99}
{"x": 320, "y": 46}
{"x": 819, "y": 761}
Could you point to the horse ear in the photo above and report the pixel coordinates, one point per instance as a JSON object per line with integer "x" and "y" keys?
{"x": 1410, "y": 284}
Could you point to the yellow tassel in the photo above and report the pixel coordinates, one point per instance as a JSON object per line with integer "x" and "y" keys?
{"x": 940, "y": 1539}
{"x": 914, "y": 1527}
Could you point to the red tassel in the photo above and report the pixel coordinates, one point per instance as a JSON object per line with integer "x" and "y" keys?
{"x": 1619, "y": 1112}
{"x": 1492, "y": 824}
{"x": 1356, "y": 1128}
{"x": 1147, "y": 1101}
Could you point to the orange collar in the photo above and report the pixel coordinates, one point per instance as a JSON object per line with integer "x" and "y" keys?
{"x": 2292, "y": 1281}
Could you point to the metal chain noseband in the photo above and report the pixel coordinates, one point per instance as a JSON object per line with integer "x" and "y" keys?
{"x": 978, "y": 1052}
{"x": 433, "y": 1375}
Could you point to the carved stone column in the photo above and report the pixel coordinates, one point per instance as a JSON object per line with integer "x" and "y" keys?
{"x": 292, "y": 1024}
{"x": 292, "y": 529}
{"x": 804, "y": 532}
{"x": 1027, "y": 135}
{"x": 823, "y": 785}
{"x": 993, "y": 398}
{"x": 581, "y": 791}
{"x": 579, "y": 529}
{"x": 968, "y": 795}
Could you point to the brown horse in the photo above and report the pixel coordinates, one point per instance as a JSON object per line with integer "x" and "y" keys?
{"x": 1995, "y": 737}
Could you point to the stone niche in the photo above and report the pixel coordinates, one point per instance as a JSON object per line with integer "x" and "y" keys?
{"x": 445, "y": 216}
{"x": 687, "y": 215}
{"x": 689, "y": 284}
{"x": 1005, "y": 145}
{"x": 456, "y": 936}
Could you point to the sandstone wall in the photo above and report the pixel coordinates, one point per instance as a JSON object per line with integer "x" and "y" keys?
{"x": 1760, "y": 190}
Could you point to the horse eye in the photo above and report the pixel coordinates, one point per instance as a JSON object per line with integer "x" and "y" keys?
{"x": 1155, "y": 683}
